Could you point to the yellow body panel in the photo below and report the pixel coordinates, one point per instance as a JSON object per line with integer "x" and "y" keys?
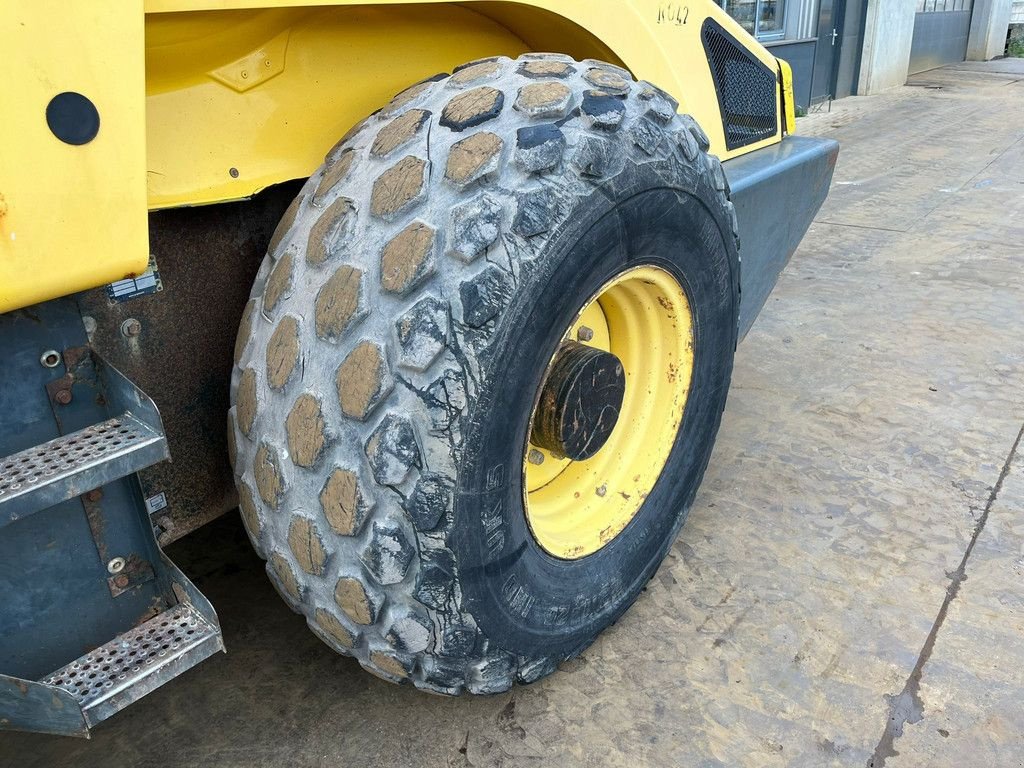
{"x": 233, "y": 96}
{"x": 787, "y": 96}
{"x": 320, "y": 70}
{"x": 71, "y": 217}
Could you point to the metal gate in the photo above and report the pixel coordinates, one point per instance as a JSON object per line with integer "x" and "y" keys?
{"x": 941, "y": 28}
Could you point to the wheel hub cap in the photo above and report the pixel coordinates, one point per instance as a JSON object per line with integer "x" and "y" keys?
{"x": 580, "y": 402}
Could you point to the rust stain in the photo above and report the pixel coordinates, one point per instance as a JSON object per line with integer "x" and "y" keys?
{"x": 156, "y": 607}
{"x": 97, "y": 524}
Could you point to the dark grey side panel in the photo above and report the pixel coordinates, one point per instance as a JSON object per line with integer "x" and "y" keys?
{"x": 799, "y": 54}
{"x": 776, "y": 191}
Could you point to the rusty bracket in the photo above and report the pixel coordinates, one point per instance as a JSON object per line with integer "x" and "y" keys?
{"x": 136, "y": 571}
{"x": 79, "y": 368}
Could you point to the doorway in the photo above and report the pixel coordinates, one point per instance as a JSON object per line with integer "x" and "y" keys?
{"x": 831, "y": 15}
{"x": 941, "y": 28}
{"x": 837, "y": 55}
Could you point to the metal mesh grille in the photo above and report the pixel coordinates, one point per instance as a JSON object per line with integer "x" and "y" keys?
{"x": 133, "y": 655}
{"x": 746, "y": 89}
{"x": 65, "y": 454}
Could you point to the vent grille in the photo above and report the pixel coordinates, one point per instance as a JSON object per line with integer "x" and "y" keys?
{"x": 745, "y": 86}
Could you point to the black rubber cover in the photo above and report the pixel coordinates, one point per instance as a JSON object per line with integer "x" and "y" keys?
{"x": 73, "y": 118}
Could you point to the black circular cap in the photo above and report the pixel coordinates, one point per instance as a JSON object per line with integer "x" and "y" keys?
{"x": 72, "y": 118}
{"x": 580, "y": 402}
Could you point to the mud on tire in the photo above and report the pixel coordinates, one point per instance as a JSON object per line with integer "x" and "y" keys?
{"x": 397, "y": 295}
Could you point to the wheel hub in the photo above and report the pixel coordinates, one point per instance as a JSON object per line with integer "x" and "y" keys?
{"x": 579, "y": 402}
{"x": 607, "y": 412}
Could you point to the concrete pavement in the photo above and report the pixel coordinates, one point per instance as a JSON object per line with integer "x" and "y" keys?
{"x": 849, "y": 588}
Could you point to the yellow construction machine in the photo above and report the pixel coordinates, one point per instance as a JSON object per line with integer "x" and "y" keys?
{"x": 442, "y": 296}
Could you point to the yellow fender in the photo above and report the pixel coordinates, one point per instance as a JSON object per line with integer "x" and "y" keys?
{"x": 238, "y": 100}
{"x": 232, "y": 98}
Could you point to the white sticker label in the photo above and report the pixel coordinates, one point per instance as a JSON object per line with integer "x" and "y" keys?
{"x": 156, "y": 503}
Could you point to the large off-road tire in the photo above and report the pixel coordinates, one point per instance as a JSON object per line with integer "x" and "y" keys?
{"x": 398, "y": 333}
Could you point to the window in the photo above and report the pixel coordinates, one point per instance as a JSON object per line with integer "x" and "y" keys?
{"x": 765, "y": 19}
{"x": 940, "y": 6}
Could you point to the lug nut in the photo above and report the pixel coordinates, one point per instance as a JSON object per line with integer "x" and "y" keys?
{"x": 535, "y": 456}
{"x": 116, "y": 565}
{"x": 584, "y": 334}
{"x": 63, "y": 396}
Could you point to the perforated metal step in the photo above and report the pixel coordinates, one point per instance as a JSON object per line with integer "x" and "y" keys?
{"x": 131, "y": 665}
{"x": 68, "y": 466}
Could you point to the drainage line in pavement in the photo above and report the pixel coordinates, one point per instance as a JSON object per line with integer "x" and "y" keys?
{"x": 907, "y": 707}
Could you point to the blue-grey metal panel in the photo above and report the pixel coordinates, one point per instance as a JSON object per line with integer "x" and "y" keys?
{"x": 799, "y": 54}
{"x": 56, "y": 600}
{"x": 26, "y": 705}
{"x": 82, "y": 581}
{"x": 777, "y": 191}
{"x": 940, "y": 38}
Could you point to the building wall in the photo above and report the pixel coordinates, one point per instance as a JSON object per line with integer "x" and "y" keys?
{"x": 888, "y": 33}
{"x": 796, "y": 42}
{"x": 988, "y": 29}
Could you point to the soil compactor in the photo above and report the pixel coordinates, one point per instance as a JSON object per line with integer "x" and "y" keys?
{"x": 472, "y": 351}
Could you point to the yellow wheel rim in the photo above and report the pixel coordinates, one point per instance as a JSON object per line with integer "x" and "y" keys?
{"x": 574, "y": 508}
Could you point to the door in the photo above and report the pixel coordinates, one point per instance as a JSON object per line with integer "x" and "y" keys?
{"x": 827, "y": 52}
{"x": 941, "y": 28}
{"x": 848, "y": 55}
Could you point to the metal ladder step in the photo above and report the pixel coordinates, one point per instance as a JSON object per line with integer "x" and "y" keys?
{"x": 73, "y": 464}
{"x": 108, "y": 679}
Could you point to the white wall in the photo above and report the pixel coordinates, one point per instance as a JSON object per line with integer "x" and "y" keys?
{"x": 887, "y": 36}
{"x": 988, "y": 29}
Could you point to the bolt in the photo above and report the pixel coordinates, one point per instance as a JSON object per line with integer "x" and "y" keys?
{"x": 584, "y": 334}
{"x": 233, "y": 173}
{"x": 535, "y": 456}
{"x": 116, "y": 565}
{"x": 121, "y": 581}
{"x": 50, "y": 358}
{"x": 131, "y": 327}
{"x": 245, "y": 75}
{"x": 94, "y": 495}
{"x": 63, "y": 396}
